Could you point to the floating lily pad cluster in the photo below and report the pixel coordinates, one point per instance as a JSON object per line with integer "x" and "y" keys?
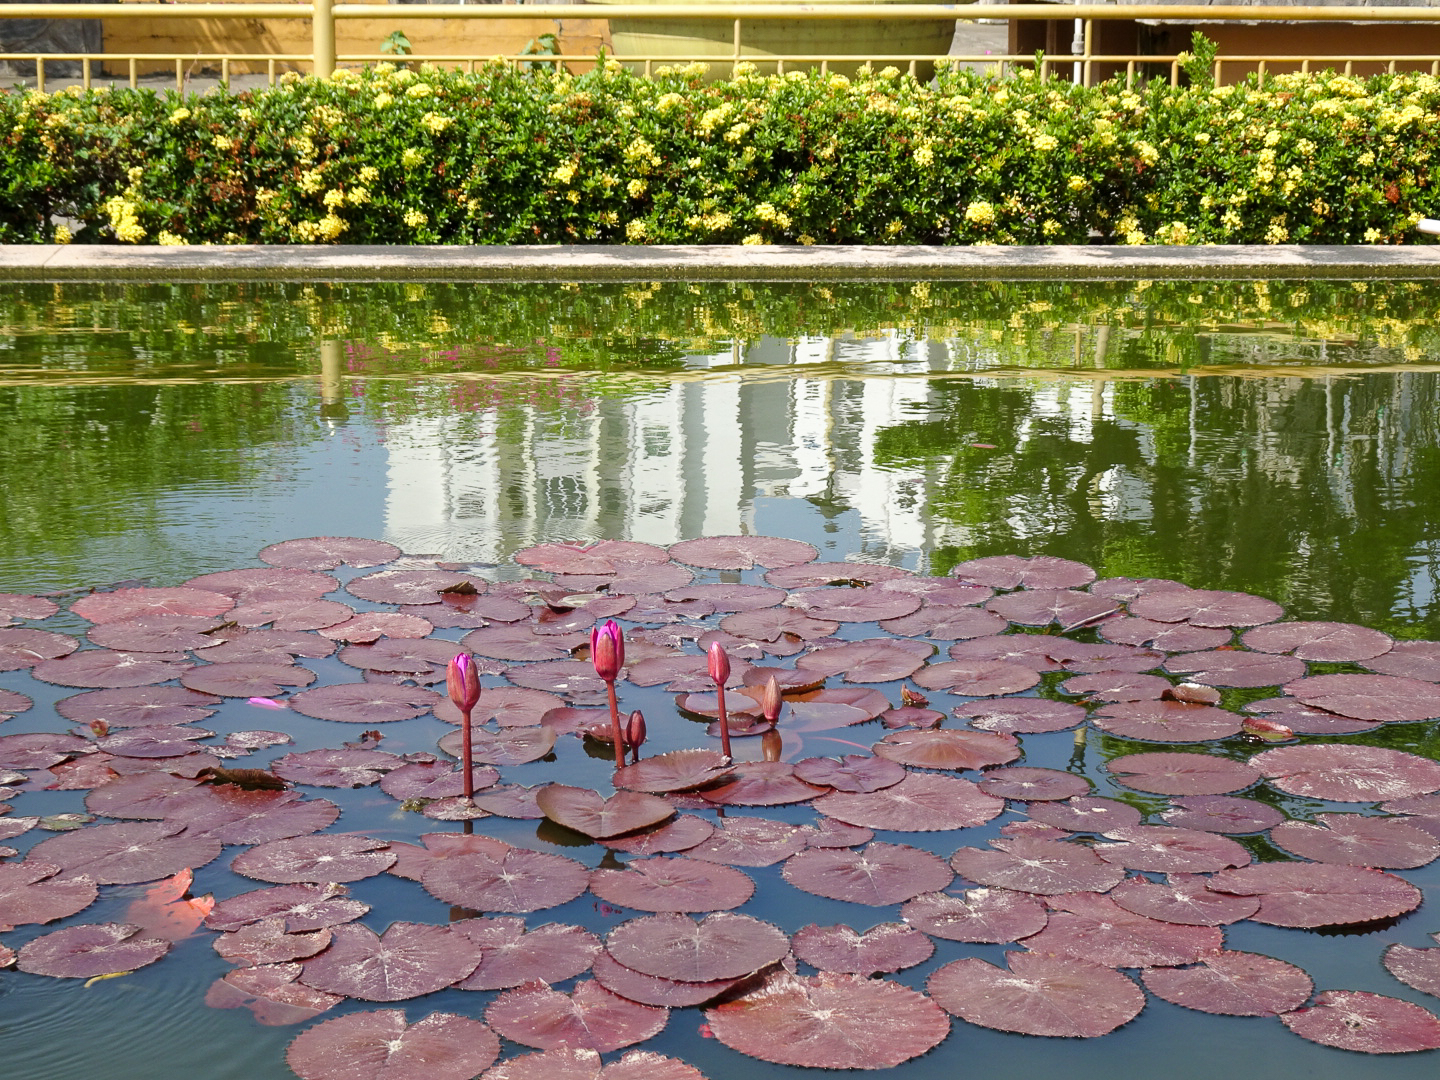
{"x": 1103, "y": 906}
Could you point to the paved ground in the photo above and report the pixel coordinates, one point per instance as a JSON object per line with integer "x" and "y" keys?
{"x": 626, "y": 263}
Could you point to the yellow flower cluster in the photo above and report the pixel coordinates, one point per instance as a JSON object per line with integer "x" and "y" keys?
{"x": 124, "y": 218}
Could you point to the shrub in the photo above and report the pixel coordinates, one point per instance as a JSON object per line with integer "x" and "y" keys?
{"x": 512, "y": 155}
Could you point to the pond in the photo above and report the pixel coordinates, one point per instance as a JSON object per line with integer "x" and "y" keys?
{"x": 1272, "y": 438}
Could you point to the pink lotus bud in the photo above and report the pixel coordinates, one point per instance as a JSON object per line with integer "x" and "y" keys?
{"x": 635, "y": 730}
{"x": 463, "y": 682}
{"x": 770, "y": 700}
{"x": 719, "y": 663}
{"x": 267, "y": 703}
{"x": 607, "y": 650}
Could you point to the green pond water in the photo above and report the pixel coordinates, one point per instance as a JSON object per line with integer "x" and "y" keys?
{"x": 1279, "y": 438}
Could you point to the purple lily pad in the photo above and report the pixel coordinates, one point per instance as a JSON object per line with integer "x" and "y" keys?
{"x": 1222, "y": 814}
{"x": 411, "y": 586}
{"x": 138, "y": 707}
{"x": 749, "y": 842}
{"x": 948, "y": 749}
{"x": 268, "y": 942}
{"x": 1117, "y": 686}
{"x": 127, "y": 853}
{"x": 675, "y": 946}
{"x": 328, "y": 552}
{"x": 1348, "y": 773}
{"x": 1206, "y": 607}
{"x": 1041, "y": 607}
{"x": 1026, "y": 783}
{"x": 336, "y": 768}
{"x": 1014, "y": 571}
{"x": 830, "y": 1021}
{"x": 853, "y": 605}
{"x": 872, "y": 661}
{"x": 1316, "y": 894}
{"x": 409, "y": 960}
{"x": 271, "y": 993}
{"x": 652, "y": 990}
{"x": 1021, "y": 716}
{"x": 588, "y": 1018}
{"x": 83, "y": 952}
{"x": 588, "y": 812}
{"x": 883, "y": 948}
{"x": 262, "y": 584}
{"x": 29, "y": 893}
{"x": 1419, "y": 968}
{"x": 1039, "y": 867}
{"x": 25, "y": 648}
{"x": 1165, "y": 849}
{"x": 364, "y": 703}
{"x": 922, "y": 802}
{"x": 981, "y": 916}
{"x": 969, "y": 678}
{"x": 947, "y": 623}
{"x": 581, "y": 1064}
{"x": 1409, "y": 659}
{"x": 1368, "y": 1023}
{"x": 878, "y": 875}
{"x": 517, "y": 881}
{"x": 1233, "y": 984}
{"x": 1040, "y": 995}
{"x": 1231, "y": 667}
{"x": 1182, "y": 773}
{"x": 761, "y": 783}
{"x": 1330, "y": 642}
{"x": 1167, "y": 636}
{"x": 302, "y": 907}
{"x": 246, "y": 680}
{"x": 315, "y": 859}
{"x": 678, "y": 770}
{"x": 105, "y": 607}
{"x": 853, "y": 772}
{"x": 291, "y": 615}
{"x": 1095, "y": 928}
{"x": 512, "y": 956}
{"x": 1387, "y": 698}
{"x": 1183, "y": 899}
{"x": 673, "y": 885}
{"x": 1357, "y": 840}
{"x": 742, "y": 552}
{"x": 108, "y": 668}
{"x": 1305, "y": 720}
{"x": 1167, "y": 721}
{"x": 381, "y": 1045}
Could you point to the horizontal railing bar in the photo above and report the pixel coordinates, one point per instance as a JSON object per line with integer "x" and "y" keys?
{"x": 1059, "y": 60}
{"x": 759, "y": 12}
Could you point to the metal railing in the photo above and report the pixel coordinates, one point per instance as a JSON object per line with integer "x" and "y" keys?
{"x": 1082, "y": 64}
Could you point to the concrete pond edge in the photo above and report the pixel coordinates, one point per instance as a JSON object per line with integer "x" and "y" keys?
{"x": 594, "y": 262}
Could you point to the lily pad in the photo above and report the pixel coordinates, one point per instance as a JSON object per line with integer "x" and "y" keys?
{"x": 1330, "y": 642}
{"x": 513, "y": 956}
{"x": 381, "y": 1045}
{"x": 246, "y": 680}
{"x": 315, "y": 859}
{"x": 1041, "y": 607}
{"x": 675, "y": 946}
{"x": 1232, "y": 667}
{"x": 652, "y": 990}
{"x": 1315, "y": 894}
{"x": 883, "y": 948}
{"x": 23, "y": 648}
{"x": 1222, "y": 814}
{"x": 673, "y": 885}
{"x": 747, "y": 841}
{"x": 29, "y": 893}
{"x": 588, "y": 812}
{"x": 1015, "y": 571}
{"x": 948, "y": 749}
{"x": 83, "y": 952}
{"x": 1368, "y": 1023}
{"x": 1410, "y": 659}
{"x": 830, "y": 1021}
{"x": 109, "y": 668}
{"x": 921, "y": 802}
{"x": 1357, "y": 840}
{"x": 1039, "y": 995}
{"x": 1164, "y": 849}
{"x": 853, "y": 772}
{"x": 878, "y": 875}
{"x": 678, "y": 770}
{"x": 1021, "y": 716}
{"x": 1095, "y": 928}
{"x": 1206, "y": 607}
{"x": 742, "y": 552}
{"x": 1388, "y": 698}
{"x": 520, "y": 880}
{"x": 590, "y": 1017}
{"x": 983, "y": 915}
{"x": 1182, "y": 773}
{"x": 106, "y": 607}
{"x": 1344, "y": 773}
{"x": 328, "y": 552}
{"x": 983, "y": 678}
{"x": 302, "y": 907}
{"x": 1183, "y": 899}
{"x": 409, "y": 960}
{"x": 567, "y": 1064}
{"x": 1233, "y": 984}
{"x": 1419, "y": 968}
{"x": 364, "y": 703}
{"x": 126, "y": 854}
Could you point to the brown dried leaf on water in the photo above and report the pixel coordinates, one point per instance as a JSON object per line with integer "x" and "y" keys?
{"x": 588, "y": 1018}
{"x": 883, "y": 948}
{"x": 512, "y": 956}
{"x": 1233, "y": 984}
{"x": 879, "y": 874}
{"x": 922, "y": 802}
{"x": 408, "y": 960}
{"x": 673, "y": 885}
{"x": 381, "y": 1045}
{"x": 830, "y": 1021}
{"x": 1040, "y": 995}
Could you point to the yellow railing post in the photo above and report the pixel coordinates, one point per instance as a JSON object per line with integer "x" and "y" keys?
{"x": 736, "y": 63}
{"x": 322, "y": 23}
{"x": 1089, "y": 48}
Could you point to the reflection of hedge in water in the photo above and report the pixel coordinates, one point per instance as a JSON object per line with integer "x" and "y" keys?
{"x": 1153, "y": 487}
{"x": 619, "y": 326}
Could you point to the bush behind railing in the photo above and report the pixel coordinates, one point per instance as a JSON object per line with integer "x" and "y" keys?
{"x": 515, "y": 156}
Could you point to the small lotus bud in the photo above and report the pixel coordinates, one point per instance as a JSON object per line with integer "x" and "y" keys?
{"x": 607, "y": 650}
{"x": 635, "y": 730}
{"x": 719, "y": 663}
{"x": 462, "y": 682}
{"x": 770, "y": 700}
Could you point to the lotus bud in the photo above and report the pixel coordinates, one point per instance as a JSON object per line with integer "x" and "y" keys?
{"x": 770, "y": 700}
{"x": 607, "y": 650}
{"x": 463, "y": 682}
{"x": 719, "y": 664}
{"x": 635, "y": 730}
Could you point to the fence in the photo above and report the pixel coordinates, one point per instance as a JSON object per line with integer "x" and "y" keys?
{"x": 1085, "y": 64}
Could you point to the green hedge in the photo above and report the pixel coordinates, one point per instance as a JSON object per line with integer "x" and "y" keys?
{"x": 515, "y": 156}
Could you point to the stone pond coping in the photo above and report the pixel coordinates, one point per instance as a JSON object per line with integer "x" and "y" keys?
{"x": 82, "y": 262}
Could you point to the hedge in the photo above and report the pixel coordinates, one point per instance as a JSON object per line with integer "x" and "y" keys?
{"x": 511, "y": 155}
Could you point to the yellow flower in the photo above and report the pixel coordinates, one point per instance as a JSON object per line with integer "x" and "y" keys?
{"x": 635, "y": 188}
{"x": 925, "y": 155}
{"x": 737, "y": 132}
{"x": 169, "y": 239}
{"x": 179, "y": 116}
{"x": 894, "y": 228}
{"x": 358, "y": 196}
{"x": 1045, "y": 143}
{"x": 134, "y": 173}
{"x": 124, "y": 220}
{"x": 411, "y": 158}
{"x": 980, "y": 213}
{"x": 1050, "y": 227}
{"x": 220, "y": 142}
{"x": 382, "y": 99}
{"x": 334, "y": 198}
{"x": 311, "y": 182}
{"x": 415, "y": 218}
{"x": 1372, "y": 235}
{"x": 807, "y": 240}
{"x": 635, "y": 231}
{"x": 434, "y": 122}
{"x": 419, "y": 90}
{"x": 369, "y": 174}
{"x": 63, "y": 235}
{"x": 666, "y": 102}
{"x": 330, "y": 227}
{"x": 565, "y": 173}
{"x": 753, "y": 240}
{"x": 1077, "y": 183}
